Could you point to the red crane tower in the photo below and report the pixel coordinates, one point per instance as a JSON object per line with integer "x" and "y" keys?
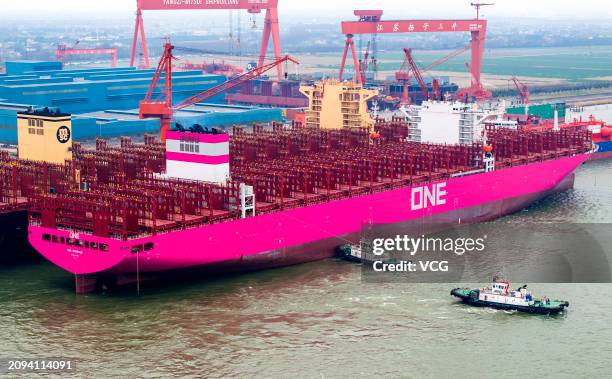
{"x": 403, "y": 76}
{"x": 253, "y": 7}
{"x": 477, "y": 29}
{"x": 63, "y": 52}
{"x": 523, "y": 90}
{"x": 162, "y": 106}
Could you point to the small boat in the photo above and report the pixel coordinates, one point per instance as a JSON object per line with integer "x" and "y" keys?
{"x": 500, "y": 296}
{"x": 351, "y": 253}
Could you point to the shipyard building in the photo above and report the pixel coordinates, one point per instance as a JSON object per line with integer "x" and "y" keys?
{"x": 104, "y": 101}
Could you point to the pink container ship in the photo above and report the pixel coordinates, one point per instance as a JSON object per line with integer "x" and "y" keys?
{"x": 268, "y": 198}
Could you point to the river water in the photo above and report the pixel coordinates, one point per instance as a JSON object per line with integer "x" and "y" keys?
{"x": 317, "y": 320}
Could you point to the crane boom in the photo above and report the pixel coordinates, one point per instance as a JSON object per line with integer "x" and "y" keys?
{"x": 446, "y": 58}
{"x": 163, "y": 108}
{"x": 523, "y": 90}
{"x": 164, "y": 66}
{"x": 416, "y": 72}
{"x": 231, "y": 83}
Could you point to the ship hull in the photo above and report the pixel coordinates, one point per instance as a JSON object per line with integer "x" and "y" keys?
{"x": 311, "y": 233}
{"x": 14, "y": 245}
{"x": 603, "y": 151}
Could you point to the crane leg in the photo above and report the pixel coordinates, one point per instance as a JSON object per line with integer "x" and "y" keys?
{"x": 276, "y": 39}
{"x": 166, "y": 125}
{"x": 343, "y": 62}
{"x": 135, "y": 39}
{"x": 355, "y": 62}
{"x": 139, "y": 29}
{"x": 145, "y": 49}
{"x": 265, "y": 39}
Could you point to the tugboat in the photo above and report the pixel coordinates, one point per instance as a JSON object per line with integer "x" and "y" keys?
{"x": 351, "y": 253}
{"x": 500, "y": 296}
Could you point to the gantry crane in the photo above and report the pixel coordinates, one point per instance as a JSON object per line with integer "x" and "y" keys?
{"x": 270, "y": 29}
{"x": 162, "y": 107}
{"x": 63, "y": 52}
{"x": 476, "y": 28}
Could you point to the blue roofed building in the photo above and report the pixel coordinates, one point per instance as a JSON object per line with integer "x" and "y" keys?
{"x": 104, "y": 101}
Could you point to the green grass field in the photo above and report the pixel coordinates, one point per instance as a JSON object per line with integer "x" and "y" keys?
{"x": 576, "y": 63}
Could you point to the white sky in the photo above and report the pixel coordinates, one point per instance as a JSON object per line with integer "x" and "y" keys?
{"x": 394, "y": 9}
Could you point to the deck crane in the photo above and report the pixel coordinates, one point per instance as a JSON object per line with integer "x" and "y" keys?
{"x": 523, "y": 90}
{"x": 162, "y": 106}
{"x": 403, "y": 76}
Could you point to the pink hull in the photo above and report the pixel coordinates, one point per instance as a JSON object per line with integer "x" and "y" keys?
{"x": 297, "y": 235}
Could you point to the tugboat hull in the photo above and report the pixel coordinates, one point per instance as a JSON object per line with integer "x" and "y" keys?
{"x": 470, "y": 297}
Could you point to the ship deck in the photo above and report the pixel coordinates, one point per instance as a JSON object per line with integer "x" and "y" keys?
{"x": 124, "y": 198}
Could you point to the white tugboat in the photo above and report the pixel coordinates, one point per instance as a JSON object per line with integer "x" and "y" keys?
{"x": 500, "y": 296}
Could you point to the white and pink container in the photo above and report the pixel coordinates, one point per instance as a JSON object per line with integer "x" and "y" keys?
{"x": 197, "y": 156}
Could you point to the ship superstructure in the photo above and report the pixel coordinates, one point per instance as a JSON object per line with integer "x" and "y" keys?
{"x": 451, "y": 121}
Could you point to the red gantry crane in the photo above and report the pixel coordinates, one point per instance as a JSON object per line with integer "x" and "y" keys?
{"x": 162, "y": 107}
{"x": 476, "y": 27}
{"x": 252, "y": 6}
{"x": 63, "y": 52}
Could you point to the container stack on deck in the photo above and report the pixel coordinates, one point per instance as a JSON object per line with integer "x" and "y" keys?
{"x": 118, "y": 192}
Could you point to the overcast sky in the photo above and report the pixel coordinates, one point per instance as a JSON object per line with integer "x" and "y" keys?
{"x": 393, "y": 8}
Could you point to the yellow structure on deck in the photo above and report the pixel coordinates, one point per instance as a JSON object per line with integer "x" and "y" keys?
{"x": 44, "y": 135}
{"x": 337, "y": 105}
